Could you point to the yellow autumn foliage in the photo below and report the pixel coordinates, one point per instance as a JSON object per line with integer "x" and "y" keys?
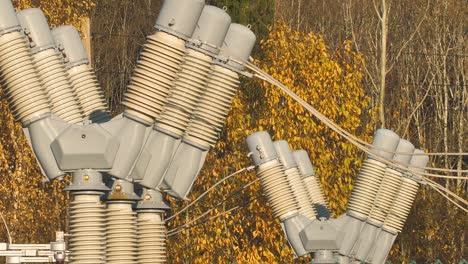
{"x": 329, "y": 80}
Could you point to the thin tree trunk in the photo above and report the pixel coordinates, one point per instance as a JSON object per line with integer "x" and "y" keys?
{"x": 383, "y": 61}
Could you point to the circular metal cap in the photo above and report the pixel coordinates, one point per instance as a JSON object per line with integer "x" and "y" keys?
{"x": 179, "y": 17}
{"x": 419, "y": 160}
{"x": 404, "y": 146}
{"x": 285, "y": 154}
{"x": 34, "y": 24}
{"x": 385, "y": 143}
{"x": 303, "y": 163}
{"x": 238, "y": 45}
{"x": 8, "y": 20}
{"x": 212, "y": 28}
{"x": 261, "y": 147}
{"x": 68, "y": 41}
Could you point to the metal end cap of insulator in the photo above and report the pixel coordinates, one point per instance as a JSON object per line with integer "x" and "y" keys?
{"x": 68, "y": 41}
{"x": 211, "y": 30}
{"x": 419, "y": 161}
{"x": 285, "y": 154}
{"x": 8, "y": 20}
{"x": 385, "y": 143}
{"x": 179, "y": 17}
{"x": 35, "y": 26}
{"x": 122, "y": 191}
{"x": 152, "y": 200}
{"x": 303, "y": 163}
{"x": 237, "y": 47}
{"x": 87, "y": 180}
{"x": 261, "y": 147}
{"x": 404, "y": 146}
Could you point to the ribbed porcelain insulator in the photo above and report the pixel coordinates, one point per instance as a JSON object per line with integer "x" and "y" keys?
{"x": 154, "y": 76}
{"x": 151, "y": 238}
{"x": 277, "y": 189}
{"x": 185, "y": 95}
{"x": 57, "y": 85}
{"x": 121, "y": 234}
{"x": 366, "y": 187}
{"x": 306, "y": 207}
{"x": 386, "y": 195}
{"x": 213, "y": 107}
{"x": 401, "y": 207}
{"x": 18, "y": 76}
{"x": 89, "y": 93}
{"x": 315, "y": 191}
{"x": 87, "y": 229}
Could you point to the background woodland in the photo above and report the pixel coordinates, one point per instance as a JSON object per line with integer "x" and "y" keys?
{"x": 399, "y": 64}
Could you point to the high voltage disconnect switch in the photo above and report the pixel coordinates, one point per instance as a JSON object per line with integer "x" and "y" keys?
{"x": 175, "y": 106}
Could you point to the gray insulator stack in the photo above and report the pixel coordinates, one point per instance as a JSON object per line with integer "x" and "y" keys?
{"x": 390, "y": 183}
{"x": 209, "y": 116}
{"x": 87, "y": 228}
{"x": 151, "y": 228}
{"x": 18, "y": 77}
{"x": 371, "y": 174}
{"x": 49, "y": 65}
{"x": 87, "y": 216}
{"x": 310, "y": 179}
{"x": 121, "y": 231}
{"x": 82, "y": 76}
{"x": 161, "y": 58}
{"x": 192, "y": 79}
{"x": 272, "y": 177}
{"x": 295, "y": 180}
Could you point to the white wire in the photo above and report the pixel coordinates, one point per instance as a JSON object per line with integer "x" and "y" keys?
{"x": 10, "y": 241}
{"x": 351, "y": 138}
{"x": 209, "y": 189}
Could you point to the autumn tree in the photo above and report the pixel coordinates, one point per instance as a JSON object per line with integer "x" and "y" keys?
{"x": 328, "y": 79}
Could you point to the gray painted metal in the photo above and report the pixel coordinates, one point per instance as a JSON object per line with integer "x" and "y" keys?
{"x": 88, "y": 146}
{"x": 404, "y": 146}
{"x": 384, "y": 139}
{"x": 284, "y": 154}
{"x": 68, "y": 41}
{"x": 320, "y": 235}
{"x": 179, "y": 17}
{"x": 8, "y": 20}
{"x": 34, "y": 24}
{"x": 86, "y": 180}
{"x": 152, "y": 200}
{"x": 419, "y": 162}
{"x": 237, "y": 46}
{"x": 211, "y": 30}
{"x": 261, "y": 148}
{"x": 292, "y": 228}
{"x": 122, "y": 191}
{"x": 303, "y": 163}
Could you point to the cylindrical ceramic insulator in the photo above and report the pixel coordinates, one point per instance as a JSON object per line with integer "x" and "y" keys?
{"x": 57, "y": 85}
{"x": 87, "y": 228}
{"x": 300, "y": 193}
{"x": 121, "y": 235}
{"x": 214, "y": 105}
{"x": 18, "y": 76}
{"x": 402, "y": 204}
{"x": 365, "y": 190}
{"x": 185, "y": 94}
{"x": 385, "y": 195}
{"x": 154, "y": 76}
{"x": 89, "y": 93}
{"x": 315, "y": 191}
{"x": 277, "y": 189}
{"x": 151, "y": 237}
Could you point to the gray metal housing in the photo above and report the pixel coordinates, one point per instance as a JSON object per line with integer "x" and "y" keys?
{"x": 211, "y": 30}
{"x": 179, "y": 17}
{"x": 261, "y": 147}
{"x": 8, "y": 20}
{"x": 34, "y": 24}
{"x": 68, "y": 41}
{"x": 237, "y": 47}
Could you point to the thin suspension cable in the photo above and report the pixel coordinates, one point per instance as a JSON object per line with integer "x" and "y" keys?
{"x": 187, "y": 227}
{"x": 364, "y": 146}
{"x": 209, "y": 189}
{"x": 442, "y": 188}
{"x": 10, "y": 241}
{"x": 448, "y": 198}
